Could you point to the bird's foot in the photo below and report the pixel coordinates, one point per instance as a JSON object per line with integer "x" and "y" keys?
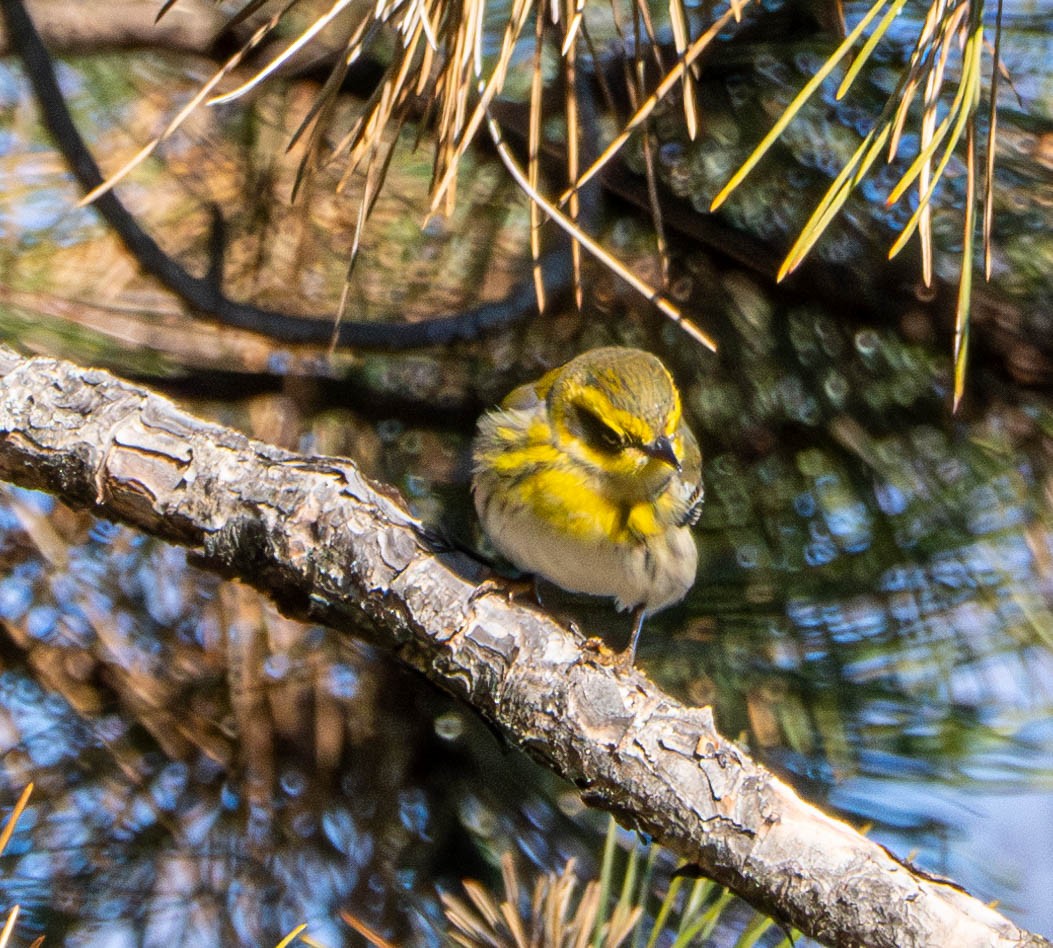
{"x": 509, "y": 588}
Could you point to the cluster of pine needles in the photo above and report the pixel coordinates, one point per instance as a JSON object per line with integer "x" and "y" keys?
{"x": 626, "y": 907}
{"x": 950, "y": 27}
{"x": 608, "y": 912}
{"x": 445, "y": 67}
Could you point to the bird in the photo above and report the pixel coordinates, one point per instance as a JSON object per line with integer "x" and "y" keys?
{"x": 590, "y": 478}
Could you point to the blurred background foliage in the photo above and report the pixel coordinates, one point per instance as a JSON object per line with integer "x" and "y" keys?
{"x": 872, "y": 616}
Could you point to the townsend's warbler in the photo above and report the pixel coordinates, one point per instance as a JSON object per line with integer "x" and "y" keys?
{"x": 590, "y": 478}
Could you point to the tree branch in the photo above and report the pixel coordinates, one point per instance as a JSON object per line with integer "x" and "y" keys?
{"x": 331, "y": 547}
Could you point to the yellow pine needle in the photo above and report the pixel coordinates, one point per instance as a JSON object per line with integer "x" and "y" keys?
{"x": 622, "y": 922}
{"x": 704, "y": 922}
{"x": 690, "y": 106}
{"x": 12, "y": 820}
{"x": 926, "y": 152}
{"x": 9, "y": 926}
{"x": 365, "y": 931}
{"x": 933, "y": 86}
{"x": 965, "y": 281}
{"x": 480, "y": 897}
{"x": 478, "y": 9}
{"x": 291, "y": 937}
{"x": 628, "y": 908}
{"x": 836, "y": 195}
{"x": 925, "y": 239}
{"x": 969, "y": 81}
{"x": 664, "y": 910}
{"x": 584, "y": 920}
{"x": 509, "y": 878}
{"x": 900, "y": 120}
{"x": 661, "y": 244}
{"x": 992, "y": 126}
{"x": 510, "y": 913}
{"x": 353, "y": 48}
{"x": 868, "y": 47}
{"x": 461, "y": 915}
{"x": 924, "y": 42}
{"x": 642, "y": 12}
{"x": 924, "y": 156}
{"x": 314, "y": 124}
{"x": 924, "y": 46}
{"x": 794, "y": 107}
{"x": 574, "y": 24}
{"x": 420, "y": 10}
{"x": 424, "y": 75}
{"x": 610, "y": 845}
{"x": 570, "y": 78}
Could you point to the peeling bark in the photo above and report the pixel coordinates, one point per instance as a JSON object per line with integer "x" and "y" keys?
{"x": 330, "y": 547}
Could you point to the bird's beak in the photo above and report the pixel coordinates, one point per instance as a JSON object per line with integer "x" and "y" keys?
{"x": 661, "y": 449}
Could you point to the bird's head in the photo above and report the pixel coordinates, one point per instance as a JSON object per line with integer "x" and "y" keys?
{"x": 618, "y": 411}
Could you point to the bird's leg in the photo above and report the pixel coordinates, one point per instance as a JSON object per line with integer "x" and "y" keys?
{"x": 628, "y": 657}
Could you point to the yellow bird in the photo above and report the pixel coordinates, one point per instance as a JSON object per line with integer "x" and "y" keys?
{"x": 590, "y": 478}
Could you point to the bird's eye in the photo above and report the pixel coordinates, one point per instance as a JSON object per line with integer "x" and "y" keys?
{"x": 598, "y": 433}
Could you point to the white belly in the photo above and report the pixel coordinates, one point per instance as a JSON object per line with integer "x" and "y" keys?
{"x": 655, "y": 572}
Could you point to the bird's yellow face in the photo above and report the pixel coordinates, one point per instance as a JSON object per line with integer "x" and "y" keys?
{"x": 618, "y": 412}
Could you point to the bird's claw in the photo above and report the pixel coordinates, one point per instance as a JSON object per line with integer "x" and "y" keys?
{"x": 509, "y": 588}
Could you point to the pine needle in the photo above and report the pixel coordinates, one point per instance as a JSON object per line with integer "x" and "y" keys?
{"x": 965, "y": 281}
{"x": 14, "y": 816}
{"x": 681, "y": 37}
{"x": 966, "y": 100}
{"x": 9, "y": 926}
{"x": 853, "y": 172}
{"x": 664, "y": 305}
{"x": 790, "y": 113}
{"x": 232, "y": 63}
{"x": 992, "y": 140}
{"x": 671, "y": 78}
{"x": 281, "y": 59}
{"x": 862, "y": 57}
{"x": 292, "y": 936}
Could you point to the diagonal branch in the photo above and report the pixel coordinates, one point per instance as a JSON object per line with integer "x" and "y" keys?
{"x": 330, "y": 547}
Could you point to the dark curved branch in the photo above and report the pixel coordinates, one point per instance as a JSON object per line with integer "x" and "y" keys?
{"x": 203, "y": 294}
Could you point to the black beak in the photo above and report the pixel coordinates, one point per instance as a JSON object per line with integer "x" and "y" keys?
{"x": 661, "y": 449}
